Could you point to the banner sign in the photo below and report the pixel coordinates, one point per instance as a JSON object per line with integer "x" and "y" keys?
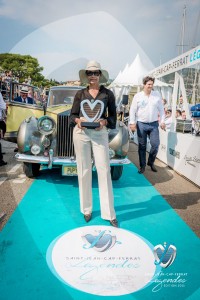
{"x": 182, "y": 61}
{"x": 180, "y": 151}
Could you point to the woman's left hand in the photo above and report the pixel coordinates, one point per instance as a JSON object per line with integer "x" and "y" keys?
{"x": 102, "y": 124}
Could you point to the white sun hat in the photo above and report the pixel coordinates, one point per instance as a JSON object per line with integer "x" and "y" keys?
{"x": 93, "y": 65}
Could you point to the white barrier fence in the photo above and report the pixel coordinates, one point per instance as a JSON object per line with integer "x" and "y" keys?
{"x": 180, "y": 151}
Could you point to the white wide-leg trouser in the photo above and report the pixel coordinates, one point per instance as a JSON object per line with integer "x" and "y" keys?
{"x": 86, "y": 142}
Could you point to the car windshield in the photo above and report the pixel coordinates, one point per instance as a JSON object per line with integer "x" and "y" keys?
{"x": 12, "y": 91}
{"x": 61, "y": 96}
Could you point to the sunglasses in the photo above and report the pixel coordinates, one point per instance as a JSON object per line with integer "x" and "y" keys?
{"x": 95, "y": 73}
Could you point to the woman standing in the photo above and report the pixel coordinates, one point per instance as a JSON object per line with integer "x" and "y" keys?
{"x": 96, "y": 104}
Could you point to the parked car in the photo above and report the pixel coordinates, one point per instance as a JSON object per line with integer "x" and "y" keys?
{"x": 45, "y": 137}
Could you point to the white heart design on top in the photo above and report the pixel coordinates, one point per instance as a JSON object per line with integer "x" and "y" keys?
{"x": 92, "y": 106}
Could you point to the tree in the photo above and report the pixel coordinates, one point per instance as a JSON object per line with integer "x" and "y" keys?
{"x": 22, "y": 66}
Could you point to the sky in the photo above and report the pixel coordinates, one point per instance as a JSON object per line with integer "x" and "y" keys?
{"x": 63, "y": 35}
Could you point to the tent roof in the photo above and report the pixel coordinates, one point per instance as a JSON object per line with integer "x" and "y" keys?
{"x": 135, "y": 73}
{"x": 121, "y": 74}
{"x": 131, "y": 75}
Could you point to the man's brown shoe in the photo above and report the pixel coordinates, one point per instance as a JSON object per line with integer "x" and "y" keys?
{"x": 141, "y": 170}
{"x": 153, "y": 168}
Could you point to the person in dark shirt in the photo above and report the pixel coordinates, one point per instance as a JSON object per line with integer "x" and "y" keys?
{"x": 23, "y": 98}
{"x": 2, "y": 162}
{"x": 95, "y": 104}
{"x": 3, "y": 127}
{"x": 2, "y": 114}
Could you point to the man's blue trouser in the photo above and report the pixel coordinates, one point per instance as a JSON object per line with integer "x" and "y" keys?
{"x": 150, "y": 130}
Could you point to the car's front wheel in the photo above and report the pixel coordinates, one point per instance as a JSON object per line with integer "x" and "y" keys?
{"x": 116, "y": 172}
{"x": 31, "y": 170}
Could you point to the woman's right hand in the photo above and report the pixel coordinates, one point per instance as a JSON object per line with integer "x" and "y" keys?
{"x": 78, "y": 122}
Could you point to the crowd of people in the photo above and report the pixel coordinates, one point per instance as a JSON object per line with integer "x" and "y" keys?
{"x": 25, "y": 87}
{"x": 180, "y": 113}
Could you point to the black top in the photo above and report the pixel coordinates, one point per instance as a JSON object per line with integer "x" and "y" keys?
{"x": 28, "y": 99}
{"x": 105, "y": 95}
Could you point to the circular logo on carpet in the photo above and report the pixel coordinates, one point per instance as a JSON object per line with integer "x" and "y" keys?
{"x": 102, "y": 260}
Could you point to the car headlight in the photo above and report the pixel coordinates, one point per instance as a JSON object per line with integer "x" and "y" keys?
{"x": 46, "y": 125}
{"x": 119, "y": 139}
{"x": 35, "y": 149}
{"x": 46, "y": 142}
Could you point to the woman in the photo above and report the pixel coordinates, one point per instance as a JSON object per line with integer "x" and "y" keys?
{"x": 95, "y": 104}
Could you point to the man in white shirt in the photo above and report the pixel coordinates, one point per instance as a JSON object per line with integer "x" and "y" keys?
{"x": 145, "y": 109}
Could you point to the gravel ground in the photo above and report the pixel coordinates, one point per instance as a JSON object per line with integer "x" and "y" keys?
{"x": 13, "y": 183}
{"x": 180, "y": 193}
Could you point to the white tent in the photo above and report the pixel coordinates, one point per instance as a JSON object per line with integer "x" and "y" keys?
{"x": 135, "y": 73}
{"x": 120, "y": 75}
{"x": 132, "y": 76}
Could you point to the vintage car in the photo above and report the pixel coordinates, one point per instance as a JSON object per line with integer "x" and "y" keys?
{"x": 45, "y": 137}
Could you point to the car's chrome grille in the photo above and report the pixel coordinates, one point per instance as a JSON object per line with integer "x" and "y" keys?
{"x": 65, "y": 147}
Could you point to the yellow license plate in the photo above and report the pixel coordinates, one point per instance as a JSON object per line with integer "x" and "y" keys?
{"x": 69, "y": 171}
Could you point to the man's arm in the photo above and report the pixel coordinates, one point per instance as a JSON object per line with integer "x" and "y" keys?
{"x": 161, "y": 113}
{"x": 132, "y": 114}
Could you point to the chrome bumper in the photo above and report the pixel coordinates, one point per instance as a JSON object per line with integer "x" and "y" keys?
{"x": 53, "y": 161}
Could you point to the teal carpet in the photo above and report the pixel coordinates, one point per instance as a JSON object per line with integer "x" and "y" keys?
{"x": 51, "y": 208}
